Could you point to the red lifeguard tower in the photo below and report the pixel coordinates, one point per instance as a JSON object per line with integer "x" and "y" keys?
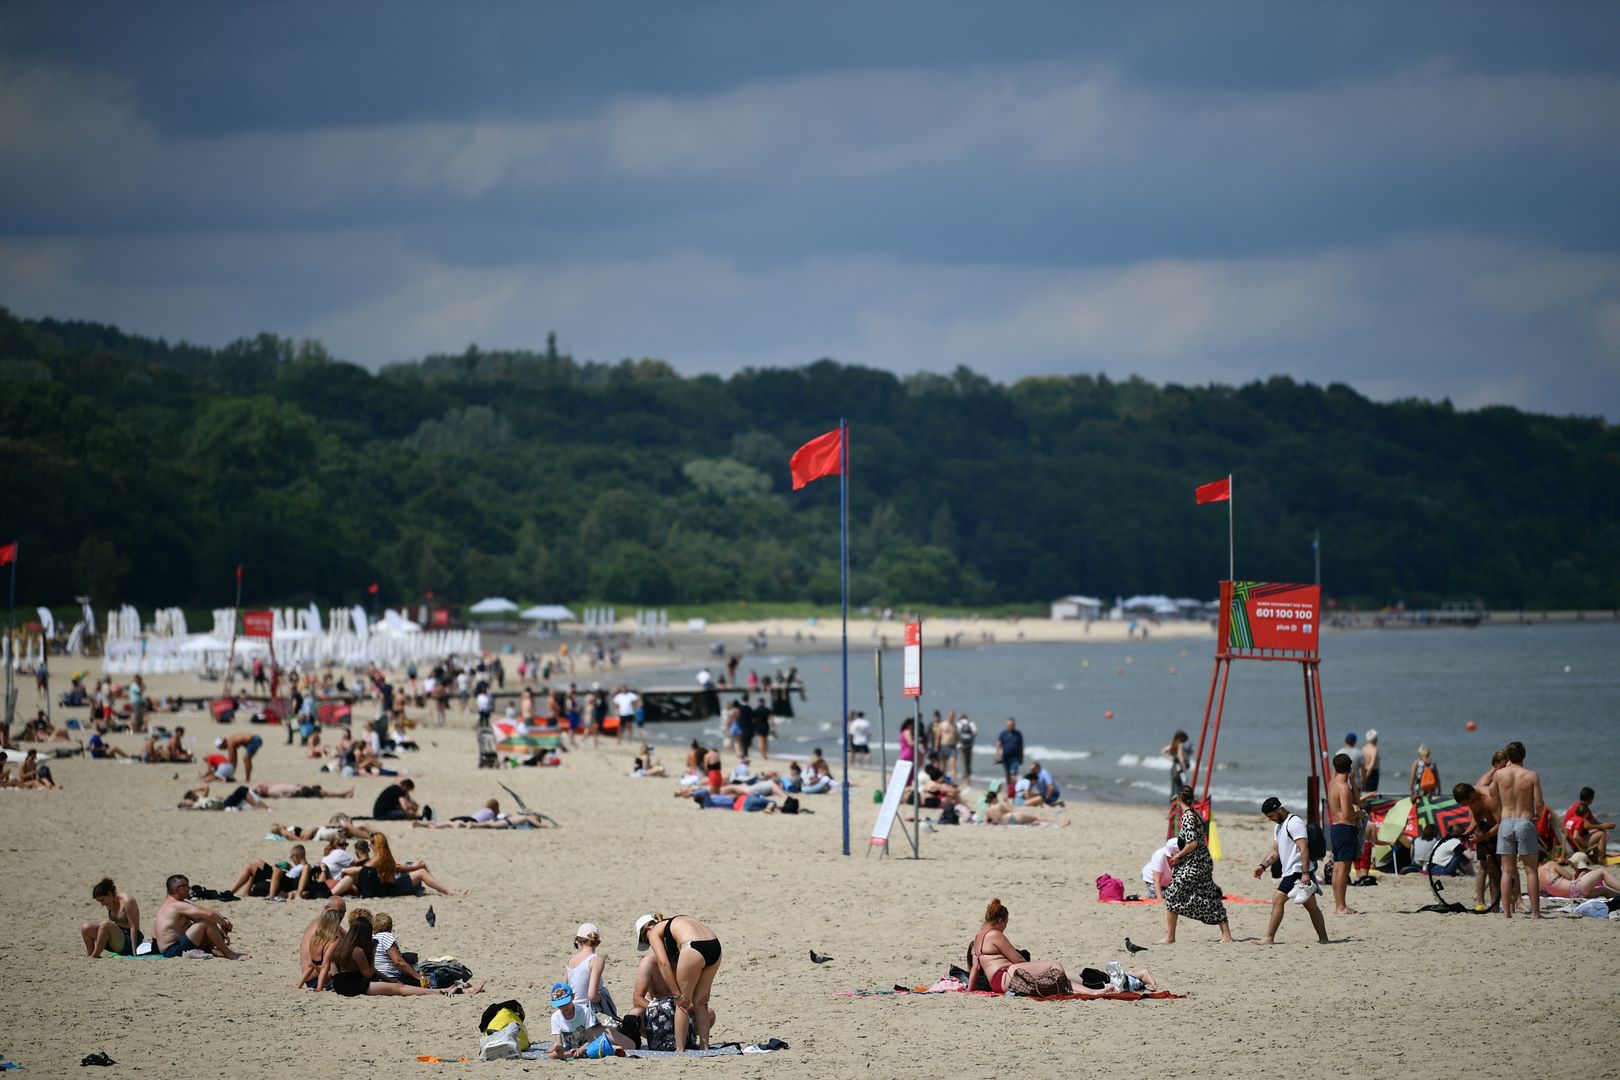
{"x": 1273, "y": 622}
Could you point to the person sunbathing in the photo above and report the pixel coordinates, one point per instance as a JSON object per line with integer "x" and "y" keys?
{"x": 120, "y": 931}
{"x": 994, "y": 959}
{"x": 199, "y": 799}
{"x": 299, "y": 791}
{"x": 347, "y": 968}
{"x": 296, "y": 879}
{"x": 1576, "y": 879}
{"x": 997, "y": 812}
{"x": 337, "y": 825}
{"x": 380, "y": 875}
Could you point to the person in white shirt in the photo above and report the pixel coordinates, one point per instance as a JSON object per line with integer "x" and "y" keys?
{"x": 1290, "y": 849}
{"x": 860, "y": 738}
{"x": 625, "y": 703}
{"x": 1156, "y": 874}
{"x": 573, "y": 1025}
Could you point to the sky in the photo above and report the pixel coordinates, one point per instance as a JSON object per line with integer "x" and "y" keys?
{"x": 1415, "y": 200}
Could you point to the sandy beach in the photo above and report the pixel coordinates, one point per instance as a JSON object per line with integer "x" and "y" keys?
{"x": 1397, "y": 993}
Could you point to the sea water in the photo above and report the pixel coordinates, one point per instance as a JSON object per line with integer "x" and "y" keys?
{"x": 1554, "y": 687}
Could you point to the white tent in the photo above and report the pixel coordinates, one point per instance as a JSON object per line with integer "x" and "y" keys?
{"x": 493, "y": 605}
{"x": 548, "y": 613}
{"x": 204, "y": 643}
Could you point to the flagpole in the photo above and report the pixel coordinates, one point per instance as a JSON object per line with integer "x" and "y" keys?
{"x": 1316, "y": 549}
{"x": 843, "y": 573}
{"x": 1231, "y": 558}
{"x": 11, "y": 640}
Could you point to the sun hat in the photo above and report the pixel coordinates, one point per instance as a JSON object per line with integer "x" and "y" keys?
{"x": 641, "y": 931}
{"x": 586, "y": 929}
{"x": 561, "y": 994}
{"x": 1092, "y": 979}
{"x": 1579, "y": 860}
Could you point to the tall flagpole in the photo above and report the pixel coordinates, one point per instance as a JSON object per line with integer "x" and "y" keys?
{"x": 7, "y": 711}
{"x": 1231, "y": 559}
{"x": 843, "y": 572}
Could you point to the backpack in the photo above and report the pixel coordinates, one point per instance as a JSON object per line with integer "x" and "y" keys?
{"x": 658, "y": 1026}
{"x": 1110, "y": 888}
{"x": 1038, "y": 980}
{"x": 502, "y": 1033}
{"x": 1315, "y": 842}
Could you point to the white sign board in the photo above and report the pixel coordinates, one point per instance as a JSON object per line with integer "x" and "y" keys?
{"x": 891, "y": 803}
{"x": 913, "y": 658}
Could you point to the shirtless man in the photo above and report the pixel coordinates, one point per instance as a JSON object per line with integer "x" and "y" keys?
{"x": 1519, "y": 790}
{"x": 181, "y": 925}
{"x": 178, "y": 752}
{"x": 998, "y": 813}
{"x": 651, "y": 986}
{"x": 242, "y": 743}
{"x": 1346, "y": 836}
{"x": 120, "y": 931}
{"x": 1490, "y": 806}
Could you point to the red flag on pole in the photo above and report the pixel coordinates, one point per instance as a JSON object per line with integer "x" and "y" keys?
{"x": 1219, "y": 491}
{"x": 372, "y": 588}
{"x": 8, "y": 554}
{"x": 821, "y": 456}
{"x": 239, "y": 573}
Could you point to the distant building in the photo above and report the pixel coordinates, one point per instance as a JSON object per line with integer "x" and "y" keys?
{"x": 1076, "y": 607}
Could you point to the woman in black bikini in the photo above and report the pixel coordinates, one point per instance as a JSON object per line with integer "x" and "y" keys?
{"x": 688, "y": 956}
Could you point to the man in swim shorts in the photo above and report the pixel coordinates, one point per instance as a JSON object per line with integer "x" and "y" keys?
{"x": 1481, "y": 802}
{"x": 181, "y": 925}
{"x": 1346, "y": 833}
{"x": 1519, "y": 789}
{"x": 239, "y": 743}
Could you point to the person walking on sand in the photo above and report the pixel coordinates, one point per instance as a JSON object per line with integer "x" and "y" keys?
{"x": 1425, "y": 778}
{"x": 1516, "y": 841}
{"x": 1345, "y": 815}
{"x": 1290, "y": 849}
{"x": 1192, "y": 890}
{"x": 966, "y": 732}
{"x": 1010, "y": 752}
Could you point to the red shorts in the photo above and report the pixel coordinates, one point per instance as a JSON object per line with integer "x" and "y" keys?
{"x": 998, "y": 981}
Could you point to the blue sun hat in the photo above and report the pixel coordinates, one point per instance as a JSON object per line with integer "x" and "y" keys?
{"x": 561, "y": 995}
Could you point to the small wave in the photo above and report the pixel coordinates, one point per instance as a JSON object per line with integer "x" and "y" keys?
{"x": 1230, "y": 794}
{"x": 1046, "y": 753}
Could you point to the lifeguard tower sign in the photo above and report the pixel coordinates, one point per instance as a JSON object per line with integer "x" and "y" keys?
{"x": 1263, "y": 620}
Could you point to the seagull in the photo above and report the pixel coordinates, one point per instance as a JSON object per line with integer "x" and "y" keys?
{"x": 817, "y": 958}
{"x": 433, "y": 920}
{"x": 1132, "y": 948}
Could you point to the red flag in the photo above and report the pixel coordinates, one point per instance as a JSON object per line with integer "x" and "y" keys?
{"x": 821, "y": 456}
{"x": 1219, "y": 491}
{"x": 8, "y": 554}
{"x": 239, "y": 573}
{"x": 372, "y": 588}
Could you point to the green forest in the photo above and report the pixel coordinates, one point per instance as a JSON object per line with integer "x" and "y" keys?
{"x": 136, "y": 470}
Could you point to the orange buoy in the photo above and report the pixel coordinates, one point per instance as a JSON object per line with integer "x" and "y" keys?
{"x": 1471, "y": 725}
{"x": 1108, "y": 714}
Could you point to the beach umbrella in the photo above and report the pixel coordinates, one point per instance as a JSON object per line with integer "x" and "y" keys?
{"x": 493, "y": 605}
{"x": 548, "y": 613}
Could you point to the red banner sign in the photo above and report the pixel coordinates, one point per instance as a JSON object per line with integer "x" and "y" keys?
{"x": 1262, "y": 616}
{"x": 913, "y": 660}
{"x": 441, "y": 617}
{"x": 259, "y": 624}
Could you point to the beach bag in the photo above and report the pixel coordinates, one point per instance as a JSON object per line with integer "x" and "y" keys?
{"x": 504, "y": 1034}
{"x": 1428, "y": 779}
{"x": 444, "y": 971}
{"x": 1110, "y": 889}
{"x": 1041, "y": 979}
{"x": 658, "y": 1026}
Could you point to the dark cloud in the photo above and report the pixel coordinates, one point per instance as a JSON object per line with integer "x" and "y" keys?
{"x": 1190, "y": 191}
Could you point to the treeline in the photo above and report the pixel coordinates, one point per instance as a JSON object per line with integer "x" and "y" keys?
{"x": 141, "y": 471}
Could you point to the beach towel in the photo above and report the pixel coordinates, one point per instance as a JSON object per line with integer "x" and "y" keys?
{"x": 722, "y": 1050}
{"x": 1160, "y": 900}
{"x": 923, "y": 991}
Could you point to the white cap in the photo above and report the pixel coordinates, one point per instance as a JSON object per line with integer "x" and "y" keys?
{"x": 641, "y": 929}
{"x": 219, "y": 743}
{"x": 586, "y": 929}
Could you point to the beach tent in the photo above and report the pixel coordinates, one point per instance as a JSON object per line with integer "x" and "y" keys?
{"x": 493, "y": 605}
{"x": 205, "y": 644}
{"x": 548, "y": 613}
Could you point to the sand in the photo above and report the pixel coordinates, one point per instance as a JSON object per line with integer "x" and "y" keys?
{"x": 1395, "y": 994}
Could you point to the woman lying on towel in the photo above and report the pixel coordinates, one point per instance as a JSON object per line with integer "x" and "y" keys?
{"x": 996, "y": 961}
{"x": 1575, "y": 879}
